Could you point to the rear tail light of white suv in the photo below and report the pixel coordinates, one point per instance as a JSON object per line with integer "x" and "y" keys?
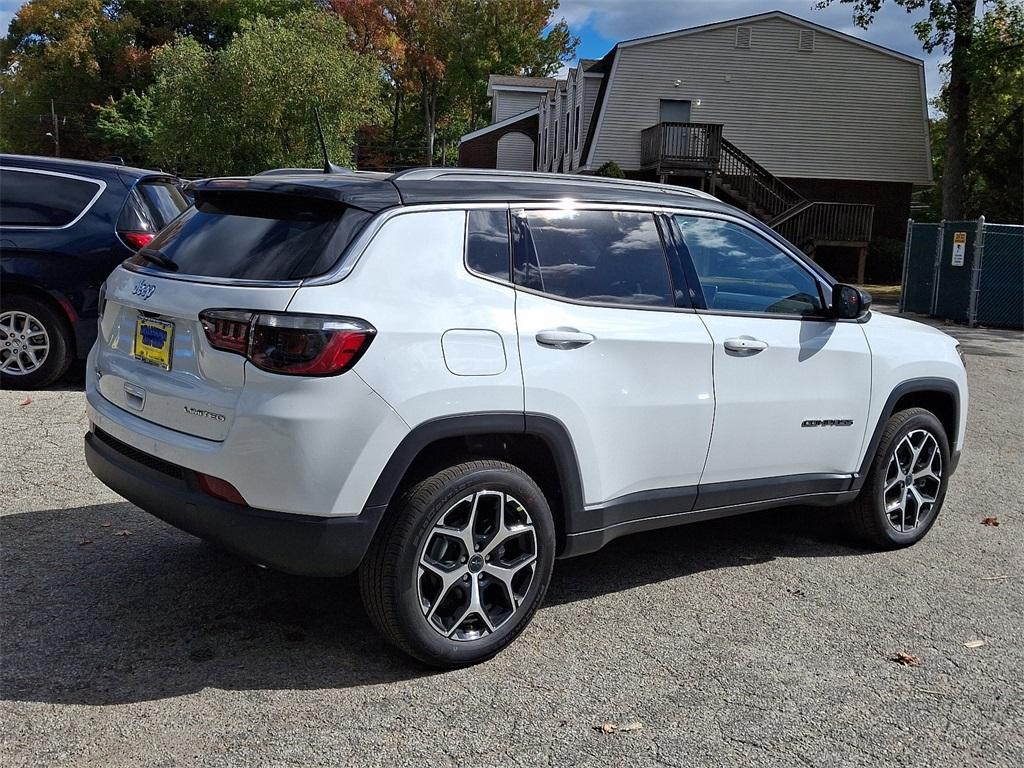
{"x": 292, "y": 344}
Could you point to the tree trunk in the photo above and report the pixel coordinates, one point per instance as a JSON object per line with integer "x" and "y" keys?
{"x": 395, "y": 116}
{"x": 958, "y": 116}
{"x": 429, "y": 104}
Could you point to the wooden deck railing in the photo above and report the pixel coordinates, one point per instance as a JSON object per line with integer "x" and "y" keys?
{"x": 674, "y": 147}
{"x": 767, "y": 194}
{"x": 840, "y": 223}
{"x": 678, "y": 146}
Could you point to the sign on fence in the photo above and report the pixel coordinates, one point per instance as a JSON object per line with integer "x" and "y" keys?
{"x": 959, "y": 248}
{"x": 966, "y": 271}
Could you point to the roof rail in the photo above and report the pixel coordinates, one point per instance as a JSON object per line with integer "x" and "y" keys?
{"x": 428, "y": 174}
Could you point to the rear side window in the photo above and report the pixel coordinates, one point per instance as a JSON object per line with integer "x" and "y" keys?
{"x": 487, "y": 244}
{"x": 43, "y": 199}
{"x": 151, "y": 206}
{"x": 609, "y": 257}
{"x": 255, "y": 236}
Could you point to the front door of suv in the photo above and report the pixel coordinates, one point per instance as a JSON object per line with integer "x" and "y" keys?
{"x": 792, "y": 385}
{"x": 606, "y": 350}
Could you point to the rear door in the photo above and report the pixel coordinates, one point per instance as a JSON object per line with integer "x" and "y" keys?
{"x": 792, "y": 385}
{"x": 606, "y": 350}
{"x": 239, "y": 251}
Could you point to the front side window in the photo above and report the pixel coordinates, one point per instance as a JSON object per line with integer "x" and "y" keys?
{"x": 43, "y": 199}
{"x": 607, "y": 257}
{"x": 487, "y": 245}
{"x": 740, "y": 271}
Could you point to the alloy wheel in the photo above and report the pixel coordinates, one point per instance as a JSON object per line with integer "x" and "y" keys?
{"x": 24, "y": 343}
{"x": 913, "y": 478}
{"x": 477, "y": 565}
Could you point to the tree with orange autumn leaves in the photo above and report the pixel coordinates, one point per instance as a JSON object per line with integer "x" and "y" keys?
{"x": 436, "y": 55}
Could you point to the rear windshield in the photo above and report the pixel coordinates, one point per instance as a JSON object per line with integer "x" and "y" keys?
{"x": 254, "y": 236}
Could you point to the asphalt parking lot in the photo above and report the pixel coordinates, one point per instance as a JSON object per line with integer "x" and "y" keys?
{"x": 757, "y": 640}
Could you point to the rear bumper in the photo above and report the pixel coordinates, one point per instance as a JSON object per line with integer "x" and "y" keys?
{"x": 306, "y": 545}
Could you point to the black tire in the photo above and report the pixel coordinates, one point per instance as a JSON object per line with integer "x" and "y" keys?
{"x": 57, "y": 359}
{"x": 866, "y": 516}
{"x": 390, "y": 577}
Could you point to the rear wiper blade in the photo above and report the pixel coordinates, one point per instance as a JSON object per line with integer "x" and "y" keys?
{"x": 159, "y": 259}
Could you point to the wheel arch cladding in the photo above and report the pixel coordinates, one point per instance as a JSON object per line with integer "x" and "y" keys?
{"x": 539, "y": 445}
{"x": 939, "y": 396}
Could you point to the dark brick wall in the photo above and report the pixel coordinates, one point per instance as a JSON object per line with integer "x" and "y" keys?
{"x": 890, "y": 198}
{"x": 482, "y": 152}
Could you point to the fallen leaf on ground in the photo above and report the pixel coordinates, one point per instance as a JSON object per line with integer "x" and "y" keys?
{"x": 26, "y": 401}
{"x": 993, "y": 521}
{"x": 123, "y": 533}
{"x": 613, "y": 728}
{"x": 974, "y": 643}
{"x": 907, "y": 659}
{"x": 83, "y": 542}
{"x": 106, "y": 525}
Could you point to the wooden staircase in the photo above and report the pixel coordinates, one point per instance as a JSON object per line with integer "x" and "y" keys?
{"x": 700, "y": 149}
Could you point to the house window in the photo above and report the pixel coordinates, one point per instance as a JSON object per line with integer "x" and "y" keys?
{"x": 806, "y": 40}
{"x": 554, "y": 148}
{"x": 743, "y": 35}
{"x": 568, "y": 128}
{"x": 576, "y": 136}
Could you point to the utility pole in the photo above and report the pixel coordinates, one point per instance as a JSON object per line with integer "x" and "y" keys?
{"x": 56, "y": 130}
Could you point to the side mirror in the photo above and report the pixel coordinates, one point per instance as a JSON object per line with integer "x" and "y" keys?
{"x": 849, "y": 302}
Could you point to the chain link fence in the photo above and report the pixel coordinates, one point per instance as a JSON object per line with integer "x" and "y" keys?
{"x": 965, "y": 271}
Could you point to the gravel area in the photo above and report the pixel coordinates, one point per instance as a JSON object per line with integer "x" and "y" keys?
{"x": 758, "y": 640}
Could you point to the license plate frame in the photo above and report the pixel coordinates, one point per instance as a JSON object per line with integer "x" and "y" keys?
{"x": 143, "y": 346}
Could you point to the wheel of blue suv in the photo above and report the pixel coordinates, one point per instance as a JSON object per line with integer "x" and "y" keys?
{"x": 35, "y": 349}
{"x": 460, "y": 563}
{"x": 906, "y": 484}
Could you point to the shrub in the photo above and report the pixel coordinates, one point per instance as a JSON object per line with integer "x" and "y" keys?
{"x": 611, "y": 170}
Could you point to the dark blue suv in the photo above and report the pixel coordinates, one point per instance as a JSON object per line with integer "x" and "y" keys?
{"x": 64, "y": 226}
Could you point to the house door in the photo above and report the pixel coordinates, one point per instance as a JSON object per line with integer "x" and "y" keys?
{"x": 676, "y": 143}
{"x": 674, "y": 111}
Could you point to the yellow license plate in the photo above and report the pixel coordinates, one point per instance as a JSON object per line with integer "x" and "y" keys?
{"x": 153, "y": 340}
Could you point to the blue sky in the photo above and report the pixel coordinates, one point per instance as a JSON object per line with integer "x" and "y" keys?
{"x": 600, "y": 23}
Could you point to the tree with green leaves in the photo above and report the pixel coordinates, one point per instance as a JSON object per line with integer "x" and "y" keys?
{"x": 249, "y": 106}
{"x": 951, "y": 27}
{"x": 81, "y": 53}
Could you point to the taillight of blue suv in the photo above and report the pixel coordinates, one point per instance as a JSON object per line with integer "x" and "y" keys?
{"x": 291, "y": 344}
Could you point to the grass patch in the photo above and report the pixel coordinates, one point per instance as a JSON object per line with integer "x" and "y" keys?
{"x": 884, "y": 292}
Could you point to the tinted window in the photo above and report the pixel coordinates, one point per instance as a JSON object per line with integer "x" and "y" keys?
{"x": 601, "y": 256}
{"x": 487, "y": 243}
{"x": 163, "y": 200}
{"x": 740, "y": 271}
{"x": 150, "y": 207}
{"x": 256, "y": 236}
{"x": 42, "y": 200}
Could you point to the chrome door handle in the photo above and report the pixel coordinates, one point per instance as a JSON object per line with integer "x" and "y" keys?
{"x": 564, "y": 338}
{"x": 745, "y": 344}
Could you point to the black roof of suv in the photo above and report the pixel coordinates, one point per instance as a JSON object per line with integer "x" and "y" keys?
{"x": 375, "y": 192}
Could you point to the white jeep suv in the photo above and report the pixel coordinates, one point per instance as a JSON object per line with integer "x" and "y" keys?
{"x": 446, "y": 379}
